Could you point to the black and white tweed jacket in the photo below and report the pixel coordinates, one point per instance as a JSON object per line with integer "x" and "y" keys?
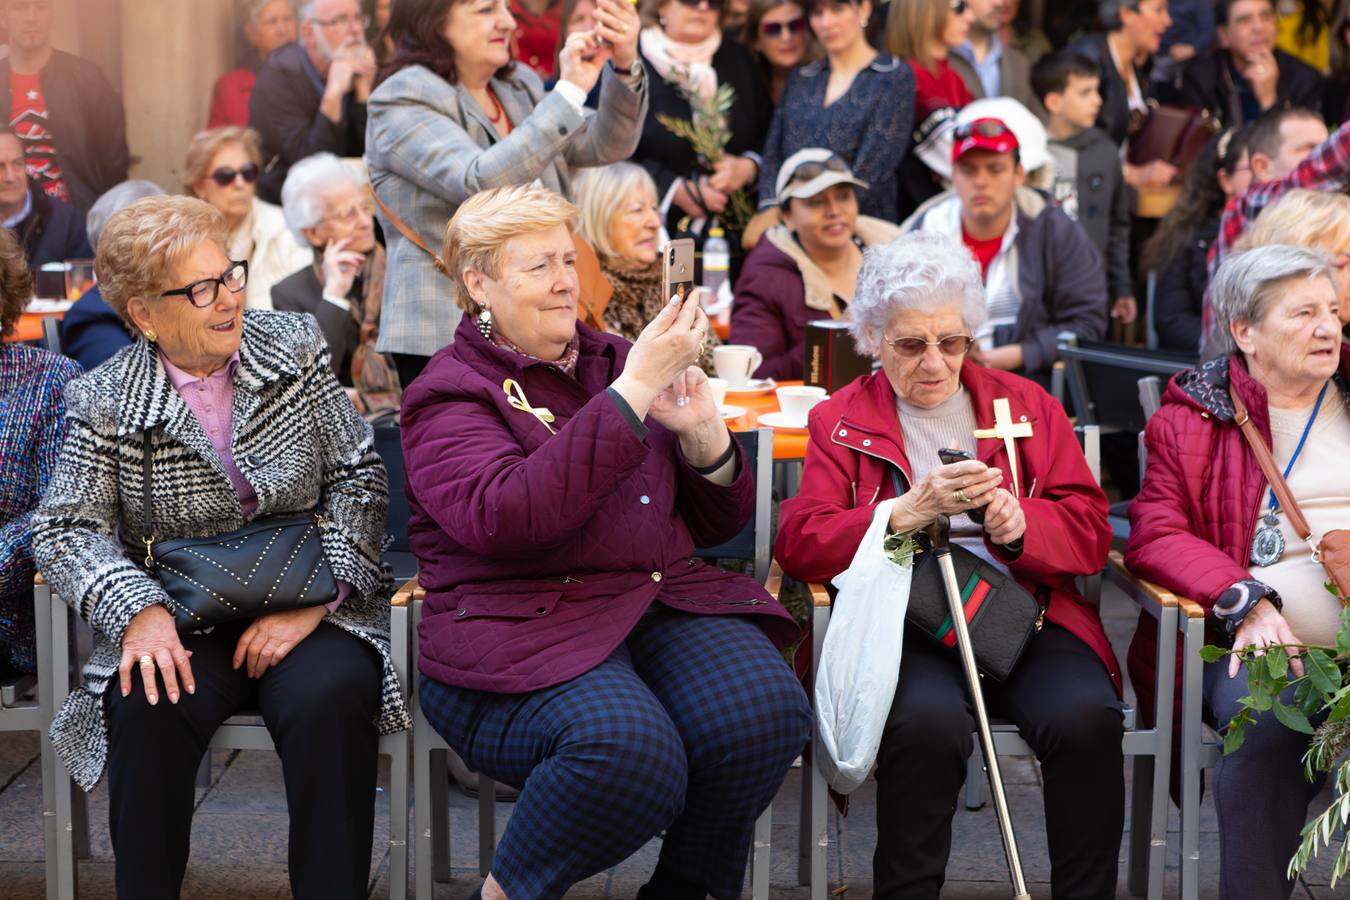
{"x": 298, "y": 440}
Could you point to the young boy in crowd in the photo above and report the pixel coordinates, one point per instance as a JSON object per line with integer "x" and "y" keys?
{"x": 1088, "y": 183}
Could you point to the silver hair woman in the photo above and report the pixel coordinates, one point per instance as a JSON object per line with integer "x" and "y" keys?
{"x": 1206, "y": 525}
{"x": 918, "y": 300}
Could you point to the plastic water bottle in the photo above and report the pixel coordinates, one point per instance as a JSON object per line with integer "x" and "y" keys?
{"x": 717, "y": 274}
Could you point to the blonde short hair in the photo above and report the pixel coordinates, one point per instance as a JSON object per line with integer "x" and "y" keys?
{"x": 1303, "y": 219}
{"x": 206, "y": 144}
{"x": 142, "y": 245}
{"x": 482, "y": 225}
{"x": 600, "y": 194}
{"x": 911, "y": 25}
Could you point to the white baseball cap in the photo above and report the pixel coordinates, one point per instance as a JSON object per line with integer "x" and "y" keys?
{"x": 810, "y": 171}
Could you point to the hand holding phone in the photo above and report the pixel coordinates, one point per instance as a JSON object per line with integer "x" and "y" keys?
{"x": 950, "y": 456}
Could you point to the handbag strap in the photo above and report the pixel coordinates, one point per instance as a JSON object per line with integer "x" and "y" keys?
{"x": 411, "y": 235}
{"x": 147, "y": 528}
{"x": 1268, "y": 467}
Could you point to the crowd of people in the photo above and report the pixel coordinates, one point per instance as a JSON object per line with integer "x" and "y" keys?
{"x": 451, "y": 216}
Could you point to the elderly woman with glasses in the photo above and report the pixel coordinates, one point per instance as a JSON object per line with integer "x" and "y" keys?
{"x": 777, "y": 36}
{"x": 222, "y": 167}
{"x": 918, "y": 302}
{"x": 805, "y": 269}
{"x": 572, "y": 645}
{"x": 1207, "y": 525}
{"x": 235, "y": 417}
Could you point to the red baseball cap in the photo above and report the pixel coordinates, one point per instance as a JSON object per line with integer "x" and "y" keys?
{"x": 982, "y": 134}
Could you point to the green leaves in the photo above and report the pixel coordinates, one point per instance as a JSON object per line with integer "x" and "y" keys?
{"x": 1211, "y": 653}
{"x": 901, "y": 548}
{"x": 708, "y": 134}
{"x": 1322, "y": 670}
{"x": 1292, "y": 718}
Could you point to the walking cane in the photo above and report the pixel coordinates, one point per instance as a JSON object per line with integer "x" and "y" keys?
{"x": 939, "y": 532}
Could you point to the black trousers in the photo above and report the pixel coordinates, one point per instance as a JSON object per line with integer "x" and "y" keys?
{"x": 319, "y": 704}
{"x": 1062, "y": 700}
{"x": 409, "y": 366}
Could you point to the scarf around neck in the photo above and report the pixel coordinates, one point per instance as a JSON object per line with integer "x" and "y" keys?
{"x": 567, "y": 362}
{"x": 687, "y": 66}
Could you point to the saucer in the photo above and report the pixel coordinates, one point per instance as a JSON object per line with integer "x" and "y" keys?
{"x": 756, "y": 386}
{"x": 731, "y": 412}
{"x": 782, "y": 422}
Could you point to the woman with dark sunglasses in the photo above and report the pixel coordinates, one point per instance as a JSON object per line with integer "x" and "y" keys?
{"x": 777, "y": 35}
{"x": 222, "y": 168}
{"x": 919, "y": 302}
{"x": 856, "y": 102}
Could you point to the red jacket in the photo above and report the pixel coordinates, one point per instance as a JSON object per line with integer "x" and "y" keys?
{"x": 229, "y": 99}
{"x": 1191, "y": 526}
{"x": 856, "y": 443}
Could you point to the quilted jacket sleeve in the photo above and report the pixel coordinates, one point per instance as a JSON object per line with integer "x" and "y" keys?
{"x": 713, "y": 513}
{"x": 1164, "y": 544}
{"x": 758, "y": 316}
{"x": 74, "y": 529}
{"x": 469, "y": 472}
{"x": 355, "y": 488}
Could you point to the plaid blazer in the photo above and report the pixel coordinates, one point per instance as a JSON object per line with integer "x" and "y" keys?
{"x": 298, "y": 440}
{"x": 429, "y": 148}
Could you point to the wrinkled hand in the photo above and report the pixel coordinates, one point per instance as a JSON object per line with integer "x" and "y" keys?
{"x": 1125, "y": 310}
{"x": 1158, "y": 173}
{"x": 715, "y": 200}
{"x": 1264, "y": 626}
{"x": 731, "y": 173}
{"x": 617, "y": 26}
{"x": 663, "y": 351}
{"x": 582, "y": 59}
{"x": 1004, "y": 520}
{"x": 269, "y": 638}
{"x": 1263, "y": 74}
{"x": 935, "y": 493}
{"x": 354, "y": 60}
{"x": 340, "y": 266}
{"x": 152, "y": 633}
{"x": 1181, "y": 52}
{"x": 687, "y": 405}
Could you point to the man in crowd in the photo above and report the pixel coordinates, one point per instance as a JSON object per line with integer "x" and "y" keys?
{"x": 310, "y": 97}
{"x": 987, "y": 66}
{"x": 1041, "y": 273}
{"x": 66, "y": 114}
{"x": 1246, "y": 75}
{"x": 50, "y": 230}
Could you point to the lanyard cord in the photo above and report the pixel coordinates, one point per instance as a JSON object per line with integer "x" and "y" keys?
{"x": 1274, "y": 505}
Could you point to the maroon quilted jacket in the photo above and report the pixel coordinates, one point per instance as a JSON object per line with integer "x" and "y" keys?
{"x": 1191, "y": 526}
{"x": 538, "y": 551}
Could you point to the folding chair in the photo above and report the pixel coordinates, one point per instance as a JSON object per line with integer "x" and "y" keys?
{"x": 242, "y": 732}
{"x": 22, "y": 708}
{"x": 1198, "y": 750}
{"x": 430, "y": 814}
{"x": 51, "y": 333}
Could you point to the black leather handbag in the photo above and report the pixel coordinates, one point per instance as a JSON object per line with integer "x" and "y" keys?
{"x": 269, "y": 565}
{"x": 1001, "y": 616}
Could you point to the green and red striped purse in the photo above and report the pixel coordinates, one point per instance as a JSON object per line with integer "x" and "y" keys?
{"x": 1001, "y": 615}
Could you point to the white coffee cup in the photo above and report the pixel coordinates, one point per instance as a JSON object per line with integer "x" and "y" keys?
{"x": 736, "y": 363}
{"x": 795, "y": 401}
{"x": 718, "y": 386}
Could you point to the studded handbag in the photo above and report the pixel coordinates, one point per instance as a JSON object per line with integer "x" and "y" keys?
{"x": 272, "y": 564}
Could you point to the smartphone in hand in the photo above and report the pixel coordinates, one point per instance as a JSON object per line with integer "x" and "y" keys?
{"x": 949, "y": 456}
{"x": 677, "y": 270}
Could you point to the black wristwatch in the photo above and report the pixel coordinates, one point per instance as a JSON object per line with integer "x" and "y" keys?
{"x": 1235, "y": 603}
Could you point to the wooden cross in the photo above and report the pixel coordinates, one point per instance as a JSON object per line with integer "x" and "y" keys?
{"x": 1007, "y": 430}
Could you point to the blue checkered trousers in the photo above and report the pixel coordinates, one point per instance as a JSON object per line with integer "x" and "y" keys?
{"x": 688, "y": 728}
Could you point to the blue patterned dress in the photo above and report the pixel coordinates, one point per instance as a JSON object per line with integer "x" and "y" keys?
{"x": 32, "y": 430}
{"x": 869, "y": 127}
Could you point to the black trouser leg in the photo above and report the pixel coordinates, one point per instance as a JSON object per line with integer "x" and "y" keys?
{"x": 409, "y": 366}
{"x": 153, "y": 753}
{"x": 320, "y": 703}
{"x": 920, "y": 769}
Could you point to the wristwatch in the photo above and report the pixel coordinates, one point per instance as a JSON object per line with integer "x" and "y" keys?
{"x": 1233, "y": 605}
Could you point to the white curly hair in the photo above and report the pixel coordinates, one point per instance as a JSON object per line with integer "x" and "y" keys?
{"x": 920, "y": 270}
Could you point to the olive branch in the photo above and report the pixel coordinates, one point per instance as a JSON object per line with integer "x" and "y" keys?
{"x": 708, "y": 133}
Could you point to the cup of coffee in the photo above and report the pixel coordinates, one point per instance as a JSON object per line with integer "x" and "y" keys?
{"x": 718, "y": 386}
{"x": 736, "y": 363}
{"x": 795, "y": 401}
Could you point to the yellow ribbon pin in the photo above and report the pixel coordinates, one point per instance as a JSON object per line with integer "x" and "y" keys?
{"x": 515, "y": 395}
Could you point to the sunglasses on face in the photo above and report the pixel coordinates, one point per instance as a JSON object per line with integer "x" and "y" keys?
{"x": 985, "y": 128}
{"x": 911, "y": 347}
{"x": 959, "y": 7}
{"x": 782, "y": 29}
{"x": 713, "y": 5}
{"x": 203, "y": 292}
{"x": 226, "y": 176}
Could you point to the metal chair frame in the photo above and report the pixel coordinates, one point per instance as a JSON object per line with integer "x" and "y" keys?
{"x": 431, "y": 820}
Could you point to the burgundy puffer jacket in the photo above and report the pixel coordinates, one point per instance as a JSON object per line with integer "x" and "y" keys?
{"x": 539, "y": 552}
{"x": 1191, "y": 526}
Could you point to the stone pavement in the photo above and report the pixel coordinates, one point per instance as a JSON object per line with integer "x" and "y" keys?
{"x": 239, "y": 835}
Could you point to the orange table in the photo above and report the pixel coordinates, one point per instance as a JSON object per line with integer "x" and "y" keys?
{"x": 29, "y": 327}
{"x": 787, "y": 445}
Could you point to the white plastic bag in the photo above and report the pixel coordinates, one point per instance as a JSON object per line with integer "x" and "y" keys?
{"x": 860, "y": 660}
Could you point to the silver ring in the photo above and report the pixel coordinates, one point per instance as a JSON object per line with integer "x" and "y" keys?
{"x": 147, "y": 660}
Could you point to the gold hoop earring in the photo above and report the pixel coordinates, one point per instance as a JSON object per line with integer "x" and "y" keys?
{"x": 150, "y": 335}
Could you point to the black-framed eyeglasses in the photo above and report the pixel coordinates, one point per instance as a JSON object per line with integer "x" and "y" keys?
{"x": 813, "y": 169}
{"x": 959, "y": 7}
{"x": 985, "y": 128}
{"x": 952, "y": 345}
{"x": 204, "y": 291}
{"x": 225, "y": 176}
{"x": 713, "y": 5}
{"x": 346, "y": 20}
{"x": 782, "y": 29}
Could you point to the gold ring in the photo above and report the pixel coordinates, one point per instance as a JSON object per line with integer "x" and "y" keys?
{"x": 147, "y": 660}
{"x": 623, "y": 28}
{"x": 960, "y": 496}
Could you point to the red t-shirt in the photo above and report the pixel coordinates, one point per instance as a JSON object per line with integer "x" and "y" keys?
{"x": 28, "y": 119}
{"x": 937, "y": 88}
{"x": 984, "y": 251}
